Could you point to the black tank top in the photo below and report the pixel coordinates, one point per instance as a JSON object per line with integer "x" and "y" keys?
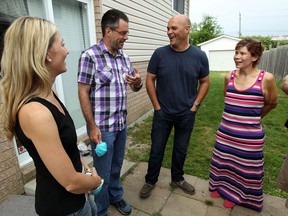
{"x": 50, "y": 197}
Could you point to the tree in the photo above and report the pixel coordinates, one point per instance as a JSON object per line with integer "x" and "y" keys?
{"x": 267, "y": 41}
{"x": 206, "y": 30}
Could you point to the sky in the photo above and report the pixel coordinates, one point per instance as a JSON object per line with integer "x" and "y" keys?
{"x": 250, "y": 17}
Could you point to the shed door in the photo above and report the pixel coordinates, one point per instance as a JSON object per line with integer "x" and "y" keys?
{"x": 221, "y": 60}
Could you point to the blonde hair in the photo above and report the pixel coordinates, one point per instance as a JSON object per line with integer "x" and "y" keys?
{"x": 23, "y": 70}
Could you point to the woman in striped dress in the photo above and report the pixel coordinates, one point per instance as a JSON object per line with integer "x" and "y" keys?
{"x": 237, "y": 170}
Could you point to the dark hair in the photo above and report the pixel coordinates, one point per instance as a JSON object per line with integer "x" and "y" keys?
{"x": 111, "y": 19}
{"x": 253, "y": 46}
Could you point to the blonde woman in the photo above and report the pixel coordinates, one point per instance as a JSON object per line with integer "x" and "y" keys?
{"x": 34, "y": 55}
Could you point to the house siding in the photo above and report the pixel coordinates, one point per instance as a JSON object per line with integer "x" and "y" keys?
{"x": 148, "y": 21}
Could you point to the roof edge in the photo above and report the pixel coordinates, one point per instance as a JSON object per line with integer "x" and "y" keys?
{"x": 219, "y": 37}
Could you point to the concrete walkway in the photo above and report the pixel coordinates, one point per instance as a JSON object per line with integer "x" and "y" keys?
{"x": 164, "y": 200}
{"x": 169, "y": 202}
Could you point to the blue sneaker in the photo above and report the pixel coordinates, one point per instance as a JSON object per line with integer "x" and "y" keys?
{"x": 123, "y": 207}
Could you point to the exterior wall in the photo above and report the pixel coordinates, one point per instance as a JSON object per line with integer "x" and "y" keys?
{"x": 138, "y": 103}
{"x": 10, "y": 175}
{"x": 148, "y": 20}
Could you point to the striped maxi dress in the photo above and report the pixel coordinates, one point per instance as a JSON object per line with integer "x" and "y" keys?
{"x": 237, "y": 167}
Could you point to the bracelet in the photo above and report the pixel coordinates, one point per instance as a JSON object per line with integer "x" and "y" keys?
{"x": 98, "y": 189}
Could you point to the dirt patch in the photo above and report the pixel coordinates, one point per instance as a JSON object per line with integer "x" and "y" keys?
{"x": 135, "y": 146}
{"x": 135, "y": 149}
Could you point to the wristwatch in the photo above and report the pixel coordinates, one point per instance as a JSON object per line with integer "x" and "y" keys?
{"x": 138, "y": 86}
{"x": 197, "y": 104}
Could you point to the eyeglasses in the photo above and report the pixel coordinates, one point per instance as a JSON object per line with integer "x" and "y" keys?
{"x": 122, "y": 33}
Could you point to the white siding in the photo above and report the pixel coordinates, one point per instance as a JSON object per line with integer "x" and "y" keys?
{"x": 147, "y": 26}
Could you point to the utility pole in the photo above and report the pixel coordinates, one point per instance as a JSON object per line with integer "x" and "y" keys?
{"x": 239, "y": 24}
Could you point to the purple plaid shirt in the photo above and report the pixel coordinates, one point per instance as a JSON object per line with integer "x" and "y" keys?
{"x": 106, "y": 74}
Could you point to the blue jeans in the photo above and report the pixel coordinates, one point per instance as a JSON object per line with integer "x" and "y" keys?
{"x": 89, "y": 209}
{"x": 161, "y": 128}
{"x": 109, "y": 167}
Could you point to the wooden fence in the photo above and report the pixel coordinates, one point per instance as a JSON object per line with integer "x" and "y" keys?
{"x": 275, "y": 61}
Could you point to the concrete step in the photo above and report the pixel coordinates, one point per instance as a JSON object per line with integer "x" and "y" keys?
{"x": 30, "y": 187}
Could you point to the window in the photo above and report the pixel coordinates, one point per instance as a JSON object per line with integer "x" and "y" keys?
{"x": 179, "y": 5}
{"x": 71, "y": 20}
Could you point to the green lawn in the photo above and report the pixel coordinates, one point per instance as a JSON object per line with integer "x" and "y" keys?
{"x": 202, "y": 141}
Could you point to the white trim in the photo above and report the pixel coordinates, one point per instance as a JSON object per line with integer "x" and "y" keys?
{"x": 172, "y": 7}
{"x": 49, "y": 14}
{"x": 217, "y": 38}
{"x": 91, "y": 20}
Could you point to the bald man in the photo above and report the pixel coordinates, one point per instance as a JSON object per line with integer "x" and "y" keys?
{"x": 181, "y": 73}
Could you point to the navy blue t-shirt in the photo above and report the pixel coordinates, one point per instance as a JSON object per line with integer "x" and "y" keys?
{"x": 177, "y": 76}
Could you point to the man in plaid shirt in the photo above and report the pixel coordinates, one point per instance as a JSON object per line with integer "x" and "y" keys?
{"x": 104, "y": 72}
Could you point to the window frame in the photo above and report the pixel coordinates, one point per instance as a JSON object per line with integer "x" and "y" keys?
{"x": 176, "y": 4}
